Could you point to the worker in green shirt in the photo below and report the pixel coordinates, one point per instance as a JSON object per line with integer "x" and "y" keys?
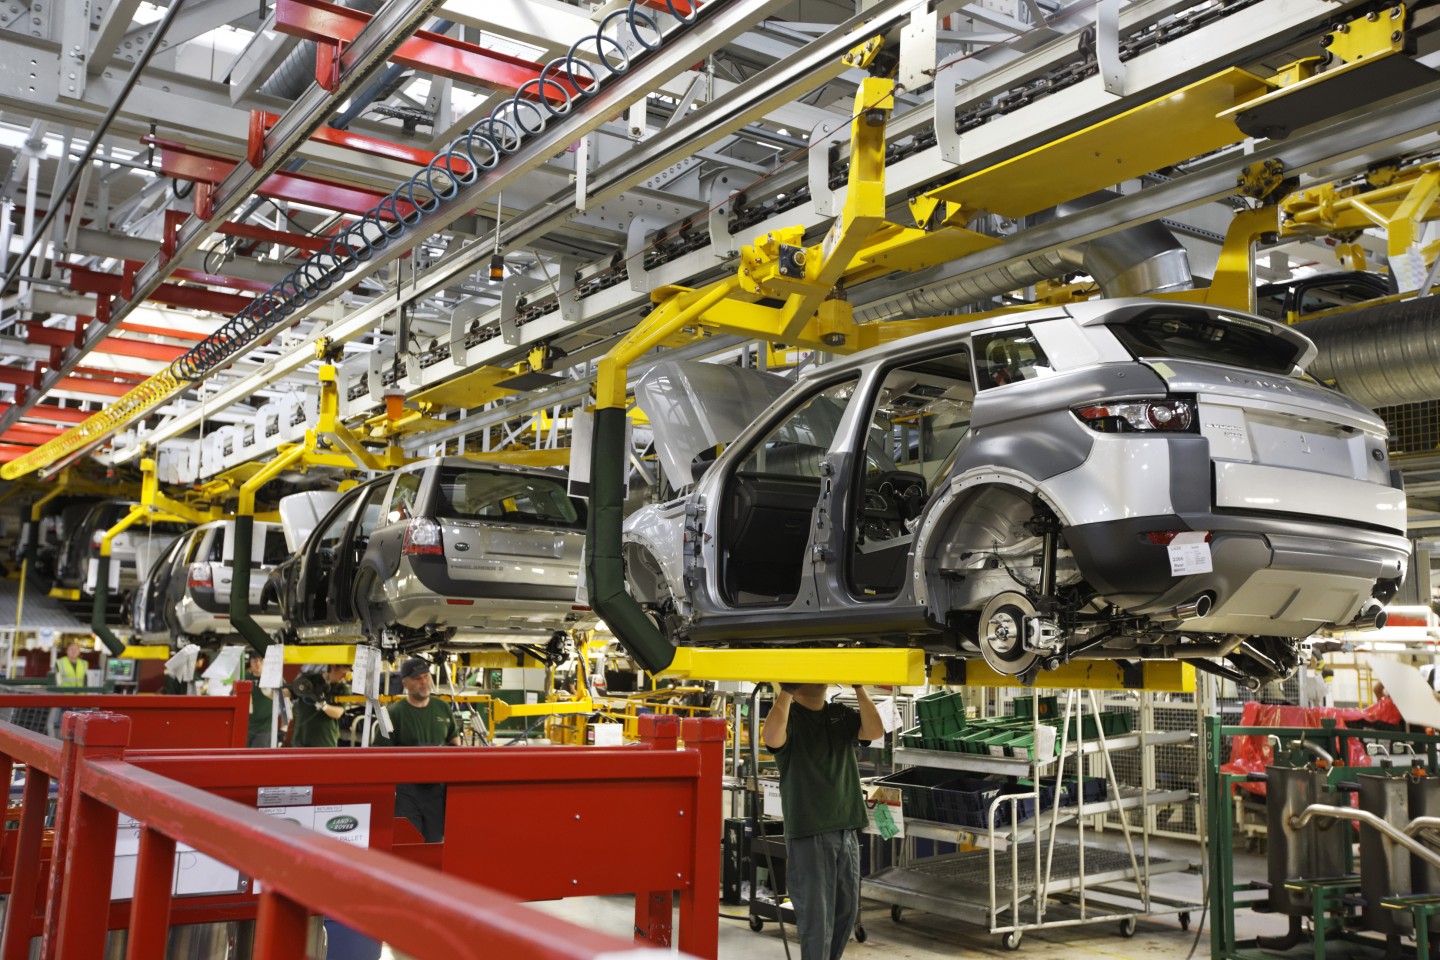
{"x": 70, "y": 669}
{"x": 420, "y": 720}
{"x": 317, "y": 722}
{"x": 261, "y": 704}
{"x": 820, "y": 799}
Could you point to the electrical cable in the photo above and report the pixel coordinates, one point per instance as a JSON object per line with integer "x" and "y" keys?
{"x": 482, "y": 148}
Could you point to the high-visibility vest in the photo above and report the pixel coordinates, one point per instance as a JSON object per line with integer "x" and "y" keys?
{"x": 71, "y": 674}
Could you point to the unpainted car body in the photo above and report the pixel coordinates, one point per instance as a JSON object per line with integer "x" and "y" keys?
{"x": 1024, "y": 488}
{"x": 439, "y": 550}
{"x": 186, "y": 593}
{"x": 80, "y": 557}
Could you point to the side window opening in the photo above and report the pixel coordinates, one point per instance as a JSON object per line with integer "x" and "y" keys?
{"x": 770, "y": 501}
{"x": 920, "y": 417}
{"x": 402, "y": 500}
{"x": 1009, "y": 357}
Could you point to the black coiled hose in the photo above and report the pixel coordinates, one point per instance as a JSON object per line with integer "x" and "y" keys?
{"x": 550, "y": 95}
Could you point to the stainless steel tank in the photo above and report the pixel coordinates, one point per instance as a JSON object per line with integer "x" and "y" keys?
{"x": 1385, "y": 866}
{"x": 1425, "y": 802}
{"x": 1318, "y": 850}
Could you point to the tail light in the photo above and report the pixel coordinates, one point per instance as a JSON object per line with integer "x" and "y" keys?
{"x": 1171, "y": 416}
{"x": 199, "y": 576}
{"x": 1163, "y": 538}
{"x": 422, "y": 538}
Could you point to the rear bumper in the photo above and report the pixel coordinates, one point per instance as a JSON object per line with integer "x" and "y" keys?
{"x": 1271, "y": 576}
{"x": 422, "y": 594}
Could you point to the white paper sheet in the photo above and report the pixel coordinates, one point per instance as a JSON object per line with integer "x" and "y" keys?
{"x": 1189, "y": 553}
{"x": 1414, "y": 698}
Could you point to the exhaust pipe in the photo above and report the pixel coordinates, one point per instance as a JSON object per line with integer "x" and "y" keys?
{"x": 1372, "y": 616}
{"x": 1194, "y": 610}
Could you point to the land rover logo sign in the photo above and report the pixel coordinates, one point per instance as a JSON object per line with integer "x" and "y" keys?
{"x": 342, "y": 824}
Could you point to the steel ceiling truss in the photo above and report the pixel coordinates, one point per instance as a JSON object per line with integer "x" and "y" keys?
{"x": 605, "y": 296}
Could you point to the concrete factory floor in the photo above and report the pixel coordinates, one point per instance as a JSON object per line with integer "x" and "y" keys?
{"x": 921, "y": 936}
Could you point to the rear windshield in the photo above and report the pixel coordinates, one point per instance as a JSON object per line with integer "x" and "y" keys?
{"x": 1197, "y": 335}
{"x": 465, "y": 494}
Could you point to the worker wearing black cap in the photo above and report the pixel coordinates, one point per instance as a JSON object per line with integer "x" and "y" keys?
{"x": 420, "y": 721}
{"x": 317, "y": 721}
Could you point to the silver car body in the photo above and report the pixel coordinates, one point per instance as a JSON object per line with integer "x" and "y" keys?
{"x": 446, "y": 548}
{"x": 193, "y": 578}
{"x": 1285, "y": 483}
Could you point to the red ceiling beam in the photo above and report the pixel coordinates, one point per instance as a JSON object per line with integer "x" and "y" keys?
{"x": 185, "y": 163}
{"x": 9, "y": 451}
{"x": 99, "y": 388}
{"x": 111, "y": 375}
{"x": 85, "y": 280}
{"x": 50, "y": 411}
{"x": 139, "y": 349}
{"x": 330, "y": 25}
{"x": 31, "y": 433}
{"x": 261, "y": 122}
{"x": 248, "y": 231}
{"x": 194, "y": 336}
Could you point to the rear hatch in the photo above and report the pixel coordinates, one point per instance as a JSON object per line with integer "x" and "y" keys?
{"x": 506, "y": 527}
{"x": 1278, "y": 443}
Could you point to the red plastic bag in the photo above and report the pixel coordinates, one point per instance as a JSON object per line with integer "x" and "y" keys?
{"x": 1253, "y": 754}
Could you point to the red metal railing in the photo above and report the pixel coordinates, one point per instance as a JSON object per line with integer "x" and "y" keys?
{"x": 156, "y": 721}
{"x": 521, "y": 823}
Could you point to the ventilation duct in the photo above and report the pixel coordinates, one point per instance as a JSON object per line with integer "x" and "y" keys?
{"x": 1382, "y": 356}
{"x": 1140, "y": 261}
{"x": 297, "y": 71}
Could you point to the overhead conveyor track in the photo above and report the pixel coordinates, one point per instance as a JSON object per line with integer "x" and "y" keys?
{"x": 608, "y": 295}
{"x": 534, "y": 140}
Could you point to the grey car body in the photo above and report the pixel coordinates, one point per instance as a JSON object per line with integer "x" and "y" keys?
{"x": 440, "y": 550}
{"x": 81, "y": 553}
{"x": 1036, "y": 488}
{"x": 186, "y": 593}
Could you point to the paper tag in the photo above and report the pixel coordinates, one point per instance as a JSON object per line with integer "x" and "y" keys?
{"x": 272, "y": 671}
{"x": 884, "y": 811}
{"x": 771, "y": 791}
{"x": 1189, "y": 553}
{"x": 365, "y": 672}
{"x": 181, "y": 666}
{"x": 382, "y": 720}
{"x": 889, "y": 718}
{"x": 1045, "y": 737}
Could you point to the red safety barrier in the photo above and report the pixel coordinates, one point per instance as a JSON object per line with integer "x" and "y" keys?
{"x": 154, "y": 722}
{"x": 521, "y": 823}
{"x": 159, "y": 721}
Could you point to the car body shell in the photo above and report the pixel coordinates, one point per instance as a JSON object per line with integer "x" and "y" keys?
{"x": 80, "y": 555}
{"x": 497, "y": 578}
{"x": 1288, "y": 481}
{"x": 174, "y": 601}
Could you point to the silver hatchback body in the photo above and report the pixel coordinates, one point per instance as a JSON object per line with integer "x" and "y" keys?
{"x": 1121, "y": 479}
{"x": 441, "y": 550}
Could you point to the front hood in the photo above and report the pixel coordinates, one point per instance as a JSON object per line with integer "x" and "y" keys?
{"x": 694, "y": 407}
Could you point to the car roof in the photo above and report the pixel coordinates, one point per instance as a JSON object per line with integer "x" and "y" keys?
{"x": 1085, "y": 312}
{"x": 468, "y": 464}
